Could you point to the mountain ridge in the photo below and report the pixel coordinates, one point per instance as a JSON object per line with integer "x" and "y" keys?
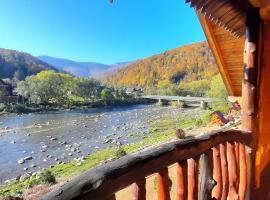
{"x": 84, "y": 69}
{"x": 18, "y": 64}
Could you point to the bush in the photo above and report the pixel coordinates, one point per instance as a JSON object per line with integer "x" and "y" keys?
{"x": 221, "y": 106}
{"x": 47, "y": 177}
{"x": 2, "y": 107}
{"x": 120, "y": 152}
{"x": 177, "y": 104}
{"x": 17, "y": 108}
{"x": 217, "y": 88}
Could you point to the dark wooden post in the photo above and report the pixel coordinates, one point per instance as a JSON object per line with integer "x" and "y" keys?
{"x": 112, "y": 197}
{"x": 139, "y": 190}
{"x": 249, "y": 84}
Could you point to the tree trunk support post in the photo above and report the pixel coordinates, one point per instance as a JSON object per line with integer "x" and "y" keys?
{"x": 249, "y": 86}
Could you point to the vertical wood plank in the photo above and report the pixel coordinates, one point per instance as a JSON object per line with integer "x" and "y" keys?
{"x": 191, "y": 179}
{"x": 243, "y": 172}
{"x": 181, "y": 181}
{"x": 224, "y": 171}
{"x": 139, "y": 190}
{"x": 163, "y": 185}
{"x": 217, "y": 190}
{"x": 206, "y": 182}
{"x": 233, "y": 193}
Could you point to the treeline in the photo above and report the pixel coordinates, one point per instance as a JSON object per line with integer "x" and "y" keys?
{"x": 213, "y": 87}
{"x": 58, "y": 89}
{"x": 191, "y": 65}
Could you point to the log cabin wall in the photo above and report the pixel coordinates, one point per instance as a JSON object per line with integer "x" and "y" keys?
{"x": 262, "y": 164}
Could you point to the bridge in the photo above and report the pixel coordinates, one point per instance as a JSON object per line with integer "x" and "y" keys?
{"x": 190, "y": 101}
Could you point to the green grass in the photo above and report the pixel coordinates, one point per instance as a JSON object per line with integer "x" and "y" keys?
{"x": 160, "y": 131}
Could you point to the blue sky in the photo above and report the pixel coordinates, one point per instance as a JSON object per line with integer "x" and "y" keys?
{"x": 94, "y": 30}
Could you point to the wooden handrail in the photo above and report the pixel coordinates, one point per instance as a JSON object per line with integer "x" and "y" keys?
{"x": 103, "y": 181}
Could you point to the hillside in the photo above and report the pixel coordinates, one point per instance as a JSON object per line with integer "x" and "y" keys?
{"x": 181, "y": 65}
{"x": 19, "y": 64}
{"x": 82, "y": 69}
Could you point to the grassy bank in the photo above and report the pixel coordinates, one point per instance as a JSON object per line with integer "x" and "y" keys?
{"x": 161, "y": 130}
{"x": 6, "y": 109}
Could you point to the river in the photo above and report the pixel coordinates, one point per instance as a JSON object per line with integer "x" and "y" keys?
{"x": 47, "y": 139}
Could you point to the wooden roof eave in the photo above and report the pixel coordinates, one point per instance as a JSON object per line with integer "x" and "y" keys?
{"x": 230, "y": 72}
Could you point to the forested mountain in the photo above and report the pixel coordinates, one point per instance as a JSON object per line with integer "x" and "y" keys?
{"x": 82, "y": 69}
{"x": 15, "y": 64}
{"x": 181, "y": 66}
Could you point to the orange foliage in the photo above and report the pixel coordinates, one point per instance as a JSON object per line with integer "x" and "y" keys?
{"x": 187, "y": 63}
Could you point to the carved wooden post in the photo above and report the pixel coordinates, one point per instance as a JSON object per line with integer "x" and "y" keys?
{"x": 163, "y": 185}
{"x": 139, "y": 190}
{"x": 217, "y": 190}
{"x": 181, "y": 181}
{"x": 224, "y": 171}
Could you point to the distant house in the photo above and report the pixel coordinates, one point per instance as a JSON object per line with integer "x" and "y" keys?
{"x": 6, "y": 95}
{"x": 134, "y": 91}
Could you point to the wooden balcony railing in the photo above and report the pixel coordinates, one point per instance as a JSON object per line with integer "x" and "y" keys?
{"x": 211, "y": 166}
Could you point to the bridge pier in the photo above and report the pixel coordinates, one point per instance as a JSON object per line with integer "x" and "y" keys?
{"x": 203, "y": 105}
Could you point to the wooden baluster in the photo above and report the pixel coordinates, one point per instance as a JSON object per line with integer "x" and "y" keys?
{"x": 233, "y": 193}
{"x": 163, "y": 185}
{"x": 192, "y": 179}
{"x": 249, "y": 171}
{"x": 181, "y": 181}
{"x": 224, "y": 171}
{"x": 112, "y": 197}
{"x": 217, "y": 190}
{"x": 236, "y": 149}
{"x": 139, "y": 190}
{"x": 243, "y": 172}
{"x": 206, "y": 183}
